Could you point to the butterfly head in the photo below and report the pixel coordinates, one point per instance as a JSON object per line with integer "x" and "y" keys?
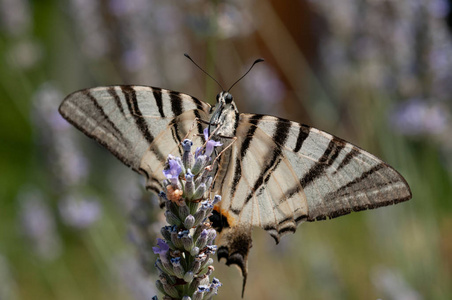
{"x": 225, "y": 98}
{"x": 224, "y": 115}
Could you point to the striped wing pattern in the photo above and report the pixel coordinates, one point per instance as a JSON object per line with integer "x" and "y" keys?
{"x": 140, "y": 125}
{"x": 282, "y": 173}
{"x": 275, "y": 175}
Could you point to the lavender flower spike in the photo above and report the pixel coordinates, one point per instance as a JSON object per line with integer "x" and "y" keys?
{"x": 184, "y": 262}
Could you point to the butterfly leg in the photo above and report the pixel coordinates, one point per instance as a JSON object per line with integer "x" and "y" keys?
{"x": 219, "y": 155}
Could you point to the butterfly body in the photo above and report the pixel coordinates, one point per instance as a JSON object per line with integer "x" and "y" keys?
{"x": 272, "y": 173}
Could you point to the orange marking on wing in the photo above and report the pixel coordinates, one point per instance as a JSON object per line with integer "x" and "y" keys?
{"x": 232, "y": 221}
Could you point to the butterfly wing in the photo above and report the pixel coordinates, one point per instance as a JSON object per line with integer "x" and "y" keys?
{"x": 140, "y": 125}
{"x": 282, "y": 173}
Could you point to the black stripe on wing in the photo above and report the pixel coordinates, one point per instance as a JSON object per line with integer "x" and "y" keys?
{"x": 253, "y": 121}
{"x": 157, "y": 93}
{"x": 112, "y": 91}
{"x": 279, "y": 137}
{"x": 132, "y": 103}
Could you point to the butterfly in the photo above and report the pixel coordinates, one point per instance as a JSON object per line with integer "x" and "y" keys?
{"x": 273, "y": 173}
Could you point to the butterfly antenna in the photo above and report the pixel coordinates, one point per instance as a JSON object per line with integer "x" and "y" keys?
{"x": 188, "y": 56}
{"x": 255, "y": 62}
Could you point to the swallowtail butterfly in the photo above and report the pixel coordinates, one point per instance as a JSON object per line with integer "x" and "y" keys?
{"x": 274, "y": 173}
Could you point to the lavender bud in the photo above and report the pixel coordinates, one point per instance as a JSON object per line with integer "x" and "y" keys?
{"x": 166, "y": 232}
{"x": 211, "y": 249}
{"x": 206, "y": 263}
{"x": 184, "y": 211}
{"x": 212, "y": 234}
{"x": 166, "y": 278}
{"x": 187, "y": 157}
{"x": 159, "y": 286}
{"x": 187, "y": 298}
{"x": 197, "y": 263}
{"x": 172, "y": 219}
{"x": 199, "y": 165}
{"x": 216, "y": 199}
{"x": 189, "y": 184}
{"x": 159, "y": 265}
{"x": 187, "y": 241}
{"x": 176, "y": 240}
{"x": 167, "y": 267}
{"x": 173, "y": 208}
{"x": 198, "y": 295}
{"x": 171, "y": 290}
{"x": 199, "y": 216}
{"x": 214, "y": 287}
{"x": 201, "y": 242}
{"x": 188, "y": 277}
{"x": 199, "y": 192}
{"x": 177, "y": 267}
{"x": 194, "y": 251}
{"x": 210, "y": 269}
{"x": 200, "y": 229}
{"x": 189, "y": 222}
{"x": 204, "y": 175}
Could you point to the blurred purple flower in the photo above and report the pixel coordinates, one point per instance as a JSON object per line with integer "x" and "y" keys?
{"x": 38, "y": 224}
{"x": 393, "y": 285}
{"x": 69, "y": 165}
{"x": 15, "y": 16}
{"x": 419, "y": 117}
{"x": 87, "y": 16}
{"x": 131, "y": 275}
{"x": 264, "y": 88}
{"x": 439, "y": 8}
{"x": 79, "y": 213}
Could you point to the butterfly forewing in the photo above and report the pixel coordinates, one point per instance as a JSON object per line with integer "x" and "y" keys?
{"x": 139, "y": 125}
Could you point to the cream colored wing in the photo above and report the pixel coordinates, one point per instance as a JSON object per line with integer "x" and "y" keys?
{"x": 282, "y": 173}
{"x": 140, "y": 125}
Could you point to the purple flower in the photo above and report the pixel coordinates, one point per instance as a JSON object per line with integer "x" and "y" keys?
{"x": 203, "y": 288}
{"x": 79, "y": 213}
{"x": 186, "y": 144}
{"x": 211, "y": 144}
{"x": 417, "y": 116}
{"x": 215, "y": 283}
{"x": 211, "y": 249}
{"x": 161, "y": 249}
{"x": 172, "y": 170}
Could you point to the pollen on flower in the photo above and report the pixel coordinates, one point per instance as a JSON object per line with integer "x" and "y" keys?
{"x": 174, "y": 195}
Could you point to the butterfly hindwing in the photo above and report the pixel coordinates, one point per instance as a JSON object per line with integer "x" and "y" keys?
{"x": 282, "y": 173}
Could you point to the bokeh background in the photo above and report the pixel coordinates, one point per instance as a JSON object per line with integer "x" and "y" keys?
{"x": 76, "y": 224}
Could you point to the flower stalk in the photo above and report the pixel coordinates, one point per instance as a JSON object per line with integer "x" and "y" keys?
{"x": 184, "y": 254}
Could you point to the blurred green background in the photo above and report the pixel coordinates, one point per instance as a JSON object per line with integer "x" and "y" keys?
{"x": 76, "y": 224}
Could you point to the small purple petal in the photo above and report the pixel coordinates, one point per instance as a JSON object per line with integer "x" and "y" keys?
{"x": 206, "y": 133}
{"x": 211, "y": 144}
{"x": 172, "y": 170}
{"x": 162, "y": 247}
